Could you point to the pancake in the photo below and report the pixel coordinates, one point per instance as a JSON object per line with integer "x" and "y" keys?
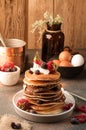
{"x": 43, "y": 91}
{"x": 39, "y": 108}
{"x": 42, "y": 77}
{"x": 49, "y": 89}
{"x": 45, "y": 97}
{"x": 46, "y": 102}
{"x": 39, "y": 82}
{"x": 54, "y": 110}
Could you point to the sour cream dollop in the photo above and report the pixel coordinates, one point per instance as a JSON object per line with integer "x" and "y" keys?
{"x": 38, "y": 67}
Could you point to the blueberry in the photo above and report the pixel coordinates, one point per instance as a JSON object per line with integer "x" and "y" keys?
{"x": 39, "y": 101}
{"x": 37, "y": 72}
{"x": 55, "y": 88}
{"x": 31, "y": 72}
{"x": 44, "y": 65}
{"x": 74, "y": 121}
{"x": 15, "y": 126}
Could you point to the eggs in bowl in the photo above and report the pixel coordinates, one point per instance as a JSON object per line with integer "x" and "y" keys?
{"x": 69, "y": 65}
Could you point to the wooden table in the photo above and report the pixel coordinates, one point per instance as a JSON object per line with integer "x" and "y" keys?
{"x": 76, "y": 85}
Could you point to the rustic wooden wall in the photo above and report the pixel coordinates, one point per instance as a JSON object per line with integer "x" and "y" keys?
{"x": 74, "y": 26}
{"x": 36, "y": 9}
{"x": 17, "y": 17}
{"x": 13, "y": 18}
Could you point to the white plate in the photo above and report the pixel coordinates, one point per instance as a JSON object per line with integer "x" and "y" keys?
{"x": 44, "y": 118}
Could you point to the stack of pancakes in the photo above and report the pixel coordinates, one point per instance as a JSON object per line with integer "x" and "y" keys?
{"x": 44, "y": 92}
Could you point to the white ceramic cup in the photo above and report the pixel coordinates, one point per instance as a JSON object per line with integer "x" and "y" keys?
{"x": 10, "y": 78}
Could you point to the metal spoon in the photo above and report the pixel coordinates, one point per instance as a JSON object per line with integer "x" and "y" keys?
{"x": 72, "y": 93}
{"x": 2, "y": 40}
{"x": 80, "y": 97}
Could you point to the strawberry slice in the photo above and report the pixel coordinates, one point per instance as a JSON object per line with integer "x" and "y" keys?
{"x": 67, "y": 106}
{"x": 51, "y": 67}
{"x": 81, "y": 117}
{"x": 37, "y": 59}
{"x": 23, "y": 104}
{"x": 81, "y": 108}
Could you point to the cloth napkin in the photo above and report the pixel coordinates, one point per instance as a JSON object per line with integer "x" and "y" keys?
{"x": 7, "y": 119}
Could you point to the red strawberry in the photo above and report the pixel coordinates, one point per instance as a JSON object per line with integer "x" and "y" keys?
{"x": 37, "y": 59}
{"x": 81, "y": 108}
{"x": 38, "y": 62}
{"x": 81, "y": 117}
{"x": 7, "y": 66}
{"x": 51, "y": 67}
{"x": 23, "y": 104}
{"x": 81, "y": 120}
{"x": 0, "y": 67}
{"x": 67, "y": 106}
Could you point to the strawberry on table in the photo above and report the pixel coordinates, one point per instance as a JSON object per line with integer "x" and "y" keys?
{"x": 81, "y": 108}
{"x": 81, "y": 117}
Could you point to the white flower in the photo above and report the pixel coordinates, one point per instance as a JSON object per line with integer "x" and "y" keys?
{"x": 40, "y": 25}
{"x": 58, "y": 19}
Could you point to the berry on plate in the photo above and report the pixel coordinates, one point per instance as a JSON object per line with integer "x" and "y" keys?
{"x": 23, "y": 104}
{"x": 67, "y": 106}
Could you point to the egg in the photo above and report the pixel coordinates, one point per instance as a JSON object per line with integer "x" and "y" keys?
{"x": 77, "y": 60}
{"x": 65, "y": 55}
{"x": 65, "y": 64}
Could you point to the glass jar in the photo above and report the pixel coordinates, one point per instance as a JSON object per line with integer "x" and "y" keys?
{"x": 52, "y": 42}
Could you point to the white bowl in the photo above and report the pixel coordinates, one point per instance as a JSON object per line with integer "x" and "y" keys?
{"x": 10, "y": 78}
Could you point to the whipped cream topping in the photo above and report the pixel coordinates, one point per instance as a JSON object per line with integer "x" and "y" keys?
{"x": 38, "y": 67}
